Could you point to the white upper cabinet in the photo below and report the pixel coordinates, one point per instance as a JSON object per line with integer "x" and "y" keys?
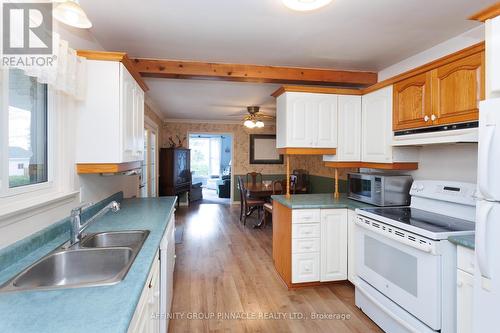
{"x": 376, "y": 126}
{"x": 325, "y": 135}
{"x": 306, "y": 120}
{"x": 111, "y": 119}
{"x": 349, "y": 130}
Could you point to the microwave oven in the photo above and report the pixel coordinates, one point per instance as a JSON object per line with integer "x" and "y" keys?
{"x": 380, "y": 189}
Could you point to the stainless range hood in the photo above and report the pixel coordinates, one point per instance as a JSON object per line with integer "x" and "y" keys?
{"x": 456, "y": 133}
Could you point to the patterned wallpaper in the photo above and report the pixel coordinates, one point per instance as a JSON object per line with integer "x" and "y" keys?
{"x": 241, "y": 165}
{"x": 148, "y": 112}
{"x": 241, "y": 139}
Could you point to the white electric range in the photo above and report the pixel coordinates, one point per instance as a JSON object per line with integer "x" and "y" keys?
{"x": 405, "y": 266}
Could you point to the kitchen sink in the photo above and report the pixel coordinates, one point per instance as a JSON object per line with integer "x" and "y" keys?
{"x": 101, "y": 259}
{"x": 116, "y": 238}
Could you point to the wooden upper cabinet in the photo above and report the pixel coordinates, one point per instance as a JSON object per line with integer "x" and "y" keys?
{"x": 457, "y": 89}
{"x": 411, "y": 102}
{"x": 446, "y": 94}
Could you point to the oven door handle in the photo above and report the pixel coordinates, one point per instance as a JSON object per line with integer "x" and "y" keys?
{"x": 385, "y": 309}
{"x": 422, "y": 247}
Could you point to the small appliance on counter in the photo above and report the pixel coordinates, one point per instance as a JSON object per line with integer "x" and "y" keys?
{"x": 380, "y": 189}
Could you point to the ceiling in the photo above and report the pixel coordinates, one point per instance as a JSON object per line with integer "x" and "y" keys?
{"x": 209, "y": 100}
{"x": 347, "y": 34}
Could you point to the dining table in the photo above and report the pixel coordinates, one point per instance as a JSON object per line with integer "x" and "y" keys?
{"x": 263, "y": 191}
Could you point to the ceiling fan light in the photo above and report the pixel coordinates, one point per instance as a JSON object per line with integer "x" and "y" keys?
{"x": 259, "y": 124}
{"x": 305, "y": 5}
{"x": 72, "y": 14}
{"x": 249, "y": 123}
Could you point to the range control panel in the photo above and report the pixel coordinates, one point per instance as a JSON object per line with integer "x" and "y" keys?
{"x": 458, "y": 192}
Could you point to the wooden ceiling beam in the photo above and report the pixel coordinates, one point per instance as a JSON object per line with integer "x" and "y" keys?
{"x": 251, "y": 73}
{"x": 487, "y": 13}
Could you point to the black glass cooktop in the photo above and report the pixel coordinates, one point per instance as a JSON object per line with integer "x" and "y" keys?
{"x": 418, "y": 218}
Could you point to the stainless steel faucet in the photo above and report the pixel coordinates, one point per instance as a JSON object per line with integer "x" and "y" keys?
{"x": 77, "y": 227}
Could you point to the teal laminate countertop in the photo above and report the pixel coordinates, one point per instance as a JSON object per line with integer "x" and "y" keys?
{"x": 312, "y": 201}
{"x": 465, "y": 241}
{"x": 91, "y": 309}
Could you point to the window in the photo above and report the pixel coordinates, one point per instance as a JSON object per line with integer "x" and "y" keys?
{"x": 205, "y": 156}
{"x": 26, "y": 142}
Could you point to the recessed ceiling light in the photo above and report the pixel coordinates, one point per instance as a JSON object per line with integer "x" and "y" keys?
{"x": 305, "y": 5}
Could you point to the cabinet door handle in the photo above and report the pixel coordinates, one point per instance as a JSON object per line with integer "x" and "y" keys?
{"x": 433, "y": 117}
{"x": 426, "y": 118}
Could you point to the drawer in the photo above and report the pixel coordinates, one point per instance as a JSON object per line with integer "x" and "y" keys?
{"x": 306, "y": 230}
{"x": 305, "y": 245}
{"x": 306, "y": 216}
{"x": 465, "y": 259}
{"x": 305, "y": 267}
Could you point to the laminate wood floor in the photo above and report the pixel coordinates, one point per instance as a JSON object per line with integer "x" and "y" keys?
{"x": 225, "y": 281}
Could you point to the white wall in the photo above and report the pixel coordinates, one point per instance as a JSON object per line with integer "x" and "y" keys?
{"x": 452, "y": 45}
{"x": 456, "y": 162}
{"x": 92, "y": 188}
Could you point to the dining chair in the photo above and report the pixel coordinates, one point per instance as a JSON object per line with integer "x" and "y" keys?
{"x": 279, "y": 187}
{"x": 249, "y": 204}
{"x": 302, "y": 180}
{"x": 255, "y": 176}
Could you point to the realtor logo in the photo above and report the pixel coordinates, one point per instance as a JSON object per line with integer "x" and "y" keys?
{"x": 27, "y": 38}
{"x": 27, "y": 28}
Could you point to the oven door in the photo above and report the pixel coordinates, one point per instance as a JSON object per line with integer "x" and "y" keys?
{"x": 408, "y": 275}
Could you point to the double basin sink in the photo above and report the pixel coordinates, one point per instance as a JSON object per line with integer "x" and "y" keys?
{"x": 98, "y": 259}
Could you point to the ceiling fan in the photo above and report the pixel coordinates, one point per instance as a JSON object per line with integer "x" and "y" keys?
{"x": 255, "y": 118}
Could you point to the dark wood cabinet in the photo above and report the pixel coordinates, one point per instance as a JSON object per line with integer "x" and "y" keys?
{"x": 175, "y": 171}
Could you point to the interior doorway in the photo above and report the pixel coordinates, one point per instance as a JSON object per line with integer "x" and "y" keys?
{"x": 211, "y": 160}
{"x": 148, "y": 185}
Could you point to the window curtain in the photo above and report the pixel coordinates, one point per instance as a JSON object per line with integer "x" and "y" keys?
{"x": 68, "y": 73}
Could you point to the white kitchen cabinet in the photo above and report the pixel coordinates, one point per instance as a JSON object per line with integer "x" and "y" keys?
{"x": 305, "y": 267}
{"x": 465, "y": 283}
{"x": 376, "y": 126}
{"x": 465, "y": 287}
{"x": 306, "y": 245}
{"x": 351, "y": 266}
{"x": 319, "y": 245}
{"x": 376, "y": 130}
{"x": 333, "y": 245}
{"x": 306, "y": 120}
{"x": 144, "y": 319}
{"x": 167, "y": 280}
{"x": 111, "y": 118}
{"x": 349, "y": 130}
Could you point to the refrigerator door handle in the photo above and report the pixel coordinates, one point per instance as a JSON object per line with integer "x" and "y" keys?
{"x": 483, "y": 213}
{"x": 484, "y": 153}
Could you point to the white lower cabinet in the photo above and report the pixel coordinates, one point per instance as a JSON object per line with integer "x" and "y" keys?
{"x": 465, "y": 283}
{"x": 351, "y": 267}
{"x": 305, "y": 267}
{"x": 319, "y": 245}
{"x": 333, "y": 245}
{"x": 152, "y": 312}
{"x": 145, "y": 320}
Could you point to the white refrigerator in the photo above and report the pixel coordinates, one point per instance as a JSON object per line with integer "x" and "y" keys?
{"x": 486, "y": 316}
